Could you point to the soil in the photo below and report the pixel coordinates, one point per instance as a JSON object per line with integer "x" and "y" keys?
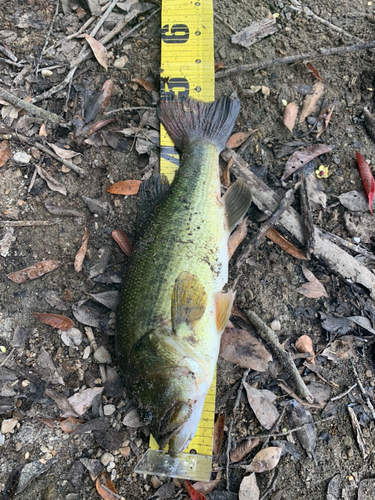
{"x": 267, "y": 284}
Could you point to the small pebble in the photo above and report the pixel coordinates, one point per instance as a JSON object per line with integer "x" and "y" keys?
{"x": 86, "y": 352}
{"x": 125, "y": 451}
{"x": 357, "y": 240}
{"x": 21, "y": 157}
{"x": 102, "y": 355}
{"x": 71, "y": 337}
{"x": 8, "y": 425}
{"x": 275, "y": 325}
{"x": 106, "y": 458}
{"x": 120, "y": 62}
{"x": 156, "y": 483}
{"x": 109, "y": 410}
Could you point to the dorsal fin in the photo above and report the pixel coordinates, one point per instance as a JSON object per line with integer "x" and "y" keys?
{"x": 189, "y": 300}
{"x": 151, "y": 191}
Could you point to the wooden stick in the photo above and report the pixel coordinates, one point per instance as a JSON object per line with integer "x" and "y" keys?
{"x": 27, "y": 223}
{"x": 307, "y": 216}
{"x": 334, "y": 51}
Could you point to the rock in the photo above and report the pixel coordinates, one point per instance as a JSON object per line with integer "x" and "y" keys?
{"x": 275, "y": 325}
{"x": 71, "y": 337}
{"x": 8, "y": 425}
{"x": 109, "y": 410}
{"x": 106, "y": 458}
{"x": 120, "y": 62}
{"x": 125, "y": 451}
{"x": 21, "y": 158}
{"x": 156, "y": 483}
{"x": 86, "y": 352}
{"x": 102, "y": 355}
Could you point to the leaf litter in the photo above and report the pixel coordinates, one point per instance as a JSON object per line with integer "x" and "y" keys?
{"x": 314, "y": 288}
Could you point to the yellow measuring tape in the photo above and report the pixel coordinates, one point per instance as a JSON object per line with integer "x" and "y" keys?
{"x": 187, "y": 70}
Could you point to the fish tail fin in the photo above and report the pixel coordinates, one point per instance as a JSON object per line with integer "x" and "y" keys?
{"x": 191, "y": 120}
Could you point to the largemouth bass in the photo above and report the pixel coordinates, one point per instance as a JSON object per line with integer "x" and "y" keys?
{"x": 172, "y": 308}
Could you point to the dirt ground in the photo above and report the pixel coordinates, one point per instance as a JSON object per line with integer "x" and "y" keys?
{"x": 267, "y": 284}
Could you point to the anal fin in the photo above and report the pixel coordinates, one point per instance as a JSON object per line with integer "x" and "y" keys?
{"x": 236, "y": 202}
{"x": 223, "y": 303}
{"x": 189, "y": 300}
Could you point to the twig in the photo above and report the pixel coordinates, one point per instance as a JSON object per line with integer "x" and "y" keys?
{"x": 284, "y": 386}
{"x": 339, "y": 396}
{"x": 334, "y": 51}
{"x": 47, "y": 36}
{"x": 270, "y": 338}
{"x": 30, "y": 108}
{"x": 272, "y": 484}
{"x": 358, "y": 432}
{"x": 13, "y": 63}
{"x": 364, "y": 393}
{"x": 67, "y": 163}
{"x": 295, "y": 429}
{"x": 275, "y": 426}
{"x": 244, "y": 377}
{"x": 94, "y": 345}
{"x": 27, "y": 223}
{"x": 8, "y": 53}
{"x": 285, "y": 203}
{"x": 123, "y": 110}
{"x": 302, "y": 8}
{"x": 224, "y": 22}
{"x": 348, "y": 244}
{"x": 7, "y": 358}
{"x": 137, "y": 26}
{"x": 306, "y": 214}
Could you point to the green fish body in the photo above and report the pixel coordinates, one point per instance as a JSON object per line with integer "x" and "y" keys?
{"x": 172, "y": 309}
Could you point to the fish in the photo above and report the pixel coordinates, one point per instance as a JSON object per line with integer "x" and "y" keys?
{"x": 172, "y": 307}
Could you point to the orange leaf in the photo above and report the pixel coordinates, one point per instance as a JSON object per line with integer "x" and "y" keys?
{"x": 206, "y": 487}
{"x": 144, "y": 83}
{"x": 218, "y": 434}
{"x": 219, "y": 65}
{"x": 290, "y": 115}
{"x": 106, "y": 95}
{"x": 193, "y": 493}
{"x": 98, "y": 125}
{"x": 54, "y": 320}
{"x": 367, "y": 178}
{"x": 309, "y": 103}
{"x": 283, "y": 243}
{"x": 304, "y": 344}
{"x": 35, "y": 271}
{"x": 106, "y": 488}
{"x": 314, "y": 71}
{"x": 78, "y": 261}
{"x": 243, "y": 449}
{"x": 100, "y": 52}
{"x": 123, "y": 241}
{"x": 125, "y": 187}
{"x": 324, "y": 119}
{"x": 5, "y": 153}
{"x": 70, "y": 424}
{"x": 237, "y": 139}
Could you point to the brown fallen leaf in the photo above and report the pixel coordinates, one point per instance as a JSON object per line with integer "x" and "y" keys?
{"x": 52, "y": 183}
{"x": 100, "y": 52}
{"x": 149, "y": 86}
{"x": 105, "y": 95}
{"x": 310, "y": 101}
{"x": 78, "y": 261}
{"x": 43, "y": 131}
{"x": 106, "y": 488}
{"x": 264, "y": 410}
{"x": 50, "y": 422}
{"x": 249, "y": 488}
{"x": 206, "y": 487}
{"x": 128, "y": 187}
{"x": 243, "y": 449}
{"x": 219, "y": 65}
{"x": 283, "y": 243}
{"x": 5, "y": 152}
{"x": 123, "y": 241}
{"x": 236, "y": 312}
{"x": 314, "y": 71}
{"x": 70, "y": 424}
{"x": 304, "y": 344}
{"x": 239, "y": 138}
{"x": 369, "y": 123}
{"x": 324, "y": 119}
{"x": 314, "y": 289}
{"x": 82, "y": 401}
{"x": 315, "y": 190}
{"x": 300, "y": 158}
{"x": 237, "y": 237}
{"x": 265, "y": 460}
{"x": 290, "y": 115}
{"x": 67, "y": 154}
{"x": 34, "y": 271}
{"x": 99, "y": 125}
{"x": 55, "y": 320}
{"x": 241, "y": 348}
{"x": 225, "y": 178}
{"x": 218, "y": 435}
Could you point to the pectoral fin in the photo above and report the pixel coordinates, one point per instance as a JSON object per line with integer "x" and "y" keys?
{"x": 236, "y": 201}
{"x": 223, "y": 303}
{"x": 189, "y": 300}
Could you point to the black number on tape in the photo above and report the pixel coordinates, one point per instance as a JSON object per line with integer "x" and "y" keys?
{"x": 179, "y": 33}
{"x": 174, "y": 85}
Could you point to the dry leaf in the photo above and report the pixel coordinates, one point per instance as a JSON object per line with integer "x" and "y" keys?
{"x": 67, "y": 154}
{"x": 6, "y": 241}
{"x": 132, "y": 419}
{"x": 43, "y": 131}
{"x": 265, "y": 460}
{"x": 264, "y": 410}
{"x": 82, "y": 401}
{"x": 314, "y": 71}
{"x": 241, "y": 348}
{"x": 239, "y": 138}
{"x": 367, "y": 179}
{"x": 310, "y": 101}
{"x": 225, "y": 179}
{"x": 219, "y": 65}
{"x": 304, "y": 344}
{"x": 315, "y": 191}
{"x": 5, "y": 152}
{"x": 145, "y": 84}
{"x": 70, "y": 424}
{"x": 324, "y": 119}
{"x": 218, "y": 434}
{"x": 299, "y": 417}
{"x": 61, "y": 401}
{"x": 237, "y": 237}
{"x": 52, "y": 183}
{"x": 123, "y": 241}
{"x": 193, "y": 493}
{"x": 105, "y": 95}
{"x": 314, "y": 289}
{"x": 35, "y": 271}
{"x": 255, "y": 32}
{"x": 99, "y": 125}
{"x": 243, "y": 449}
{"x": 290, "y": 115}
{"x": 100, "y": 52}
{"x": 78, "y": 261}
{"x": 249, "y": 488}
{"x": 236, "y": 312}
{"x": 106, "y": 488}
{"x": 355, "y": 201}
{"x": 206, "y": 487}
{"x": 125, "y": 187}
{"x": 55, "y": 320}
{"x": 300, "y": 158}
{"x": 283, "y": 243}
